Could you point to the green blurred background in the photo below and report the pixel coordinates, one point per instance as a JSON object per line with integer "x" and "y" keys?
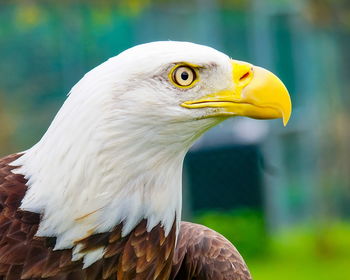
{"x": 281, "y": 195}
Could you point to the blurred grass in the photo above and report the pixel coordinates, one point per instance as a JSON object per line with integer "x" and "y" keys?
{"x": 306, "y": 253}
{"x": 300, "y": 252}
{"x": 244, "y": 228}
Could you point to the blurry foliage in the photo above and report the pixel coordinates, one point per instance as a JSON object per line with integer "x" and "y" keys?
{"x": 303, "y": 252}
{"x": 330, "y": 23}
{"x": 244, "y": 228}
{"x": 49, "y": 46}
{"x": 7, "y": 128}
{"x": 129, "y": 7}
{"x": 306, "y": 253}
{"x": 29, "y": 15}
{"x": 329, "y": 13}
{"x": 235, "y": 4}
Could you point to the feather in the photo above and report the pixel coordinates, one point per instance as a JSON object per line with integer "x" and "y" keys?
{"x": 202, "y": 253}
{"x": 139, "y": 255}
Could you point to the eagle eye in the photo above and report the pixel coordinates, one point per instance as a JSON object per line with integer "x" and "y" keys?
{"x": 183, "y": 76}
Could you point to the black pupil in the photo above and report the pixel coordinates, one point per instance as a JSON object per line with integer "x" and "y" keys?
{"x": 184, "y": 75}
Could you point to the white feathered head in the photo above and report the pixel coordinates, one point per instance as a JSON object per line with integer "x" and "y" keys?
{"x": 114, "y": 151}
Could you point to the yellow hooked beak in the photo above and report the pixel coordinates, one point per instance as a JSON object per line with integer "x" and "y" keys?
{"x": 255, "y": 93}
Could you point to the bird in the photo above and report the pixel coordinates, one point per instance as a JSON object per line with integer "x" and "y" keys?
{"x": 99, "y": 196}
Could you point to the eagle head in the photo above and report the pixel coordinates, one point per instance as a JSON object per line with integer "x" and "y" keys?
{"x": 114, "y": 152}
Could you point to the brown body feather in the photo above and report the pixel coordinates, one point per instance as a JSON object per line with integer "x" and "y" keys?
{"x": 201, "y": 253}
{"x": 204, "y": 254}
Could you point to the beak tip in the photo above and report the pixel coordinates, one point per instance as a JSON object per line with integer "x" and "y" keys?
{"x": 286, "y": 118}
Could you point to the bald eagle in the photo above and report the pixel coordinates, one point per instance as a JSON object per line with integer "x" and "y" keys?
{"x": 99, "y": 196}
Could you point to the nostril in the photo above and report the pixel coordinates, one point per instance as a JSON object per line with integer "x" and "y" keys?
{"x": 246, "y": 75}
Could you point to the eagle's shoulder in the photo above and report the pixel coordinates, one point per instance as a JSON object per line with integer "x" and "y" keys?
{"x": 202, "y": 253}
